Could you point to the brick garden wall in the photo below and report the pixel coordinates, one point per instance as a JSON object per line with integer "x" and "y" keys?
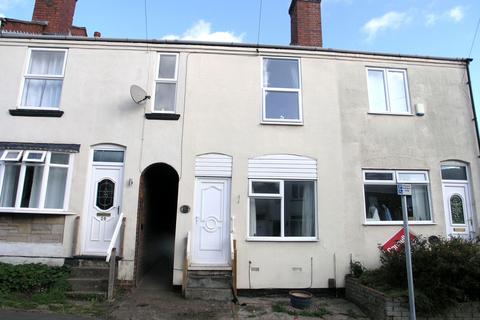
{"x": 31, "y": 228}
{"x": 378, "y": 306}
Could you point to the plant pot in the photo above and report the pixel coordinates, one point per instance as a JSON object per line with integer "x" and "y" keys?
{"x": 300, "y": 299}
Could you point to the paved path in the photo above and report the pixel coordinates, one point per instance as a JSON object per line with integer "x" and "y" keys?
{"x": 154, "y": 300}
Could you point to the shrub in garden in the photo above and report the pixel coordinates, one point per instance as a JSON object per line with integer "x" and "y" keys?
{"x": 445, "y": 272}
{"x": 32, "y": 278}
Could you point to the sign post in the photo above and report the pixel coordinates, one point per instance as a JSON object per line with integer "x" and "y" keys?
{"x": 405, "y": 190}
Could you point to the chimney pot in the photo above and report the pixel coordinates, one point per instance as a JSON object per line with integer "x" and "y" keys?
{"x": 306, "y": 23}
{"x": 97, "y": 34}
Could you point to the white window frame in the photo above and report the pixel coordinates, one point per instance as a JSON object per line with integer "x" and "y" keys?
{"x": 281, "y": 196}
{"x": 266, "y": 120}
{"x": 41, "y": 77}
{"x": 27, "y": 153}
{"x": 386, "y": 90}
{"x": 166, "y": 80}
{"x": 44, "y": 181}
{"x": 395, "y": 181}
{"x": 6, "y": 152}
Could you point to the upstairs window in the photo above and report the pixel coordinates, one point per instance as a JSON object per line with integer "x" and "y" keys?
{"x": 33, "y": 179}
{"x": 388, "y": 91}
{"x": 383, "y": 204}
{"x": 43, "y": 82}
{"x": 281, "y": 90}
{"x": 166, "y": 83}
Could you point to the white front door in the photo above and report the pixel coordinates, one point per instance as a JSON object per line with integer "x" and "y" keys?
{"x": 211, "y": 243}
{"x": 458, "y": 216}
{"x": 103, "y": 208}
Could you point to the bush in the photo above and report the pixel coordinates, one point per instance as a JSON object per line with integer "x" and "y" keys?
{"x": 444, "y": 271}
{"x": 32, "y": 278}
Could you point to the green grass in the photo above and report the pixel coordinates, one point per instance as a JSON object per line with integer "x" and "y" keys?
{"x": 284, "y": 308}
{"x": 53, "y": 301}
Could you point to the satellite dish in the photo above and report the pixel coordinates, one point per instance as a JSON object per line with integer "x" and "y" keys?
{"x": 138, "y": 94}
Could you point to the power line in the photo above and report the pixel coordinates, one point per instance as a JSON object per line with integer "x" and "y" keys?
{"x": 259, "y": 21}
{"x": 474, "y": 38}
{"x": 146, "y": 19}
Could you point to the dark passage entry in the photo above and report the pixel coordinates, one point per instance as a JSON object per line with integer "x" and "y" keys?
{"x": 156, "y": 224}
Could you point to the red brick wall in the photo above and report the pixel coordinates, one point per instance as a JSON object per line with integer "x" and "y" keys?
{"x": 58, "y": 13}
{"x": 306, "y": 23}
{"x": 25, "y": 27}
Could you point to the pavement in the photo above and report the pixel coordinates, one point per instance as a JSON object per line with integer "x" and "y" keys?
{"x": 154, "y": 299}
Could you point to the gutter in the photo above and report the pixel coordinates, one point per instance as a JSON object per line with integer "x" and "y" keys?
{"x": 469, "y": 82}
{"x": 9, "y": 35}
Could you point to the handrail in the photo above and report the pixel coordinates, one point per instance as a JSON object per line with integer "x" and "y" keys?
{"x": 186, "y": 262}
{"x": 232, "y": 249}
{"x": 114, "y": 237}
{"x": 188, "y": 245}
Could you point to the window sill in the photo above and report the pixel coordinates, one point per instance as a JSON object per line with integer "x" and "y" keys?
{"x": 282, "y": 123}
{"x": 289, "y": 239}
{"x": 35, "y": 113}
{"x": 162, "y": 116}
{"x": 36, "y": 211}
{"x": 391, "y": 114}
{"x": 398, "y": 223}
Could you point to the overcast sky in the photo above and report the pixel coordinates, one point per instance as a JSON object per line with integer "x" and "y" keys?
{"x": 424, "y": 27}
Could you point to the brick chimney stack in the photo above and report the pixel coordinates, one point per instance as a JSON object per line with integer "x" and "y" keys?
{"x": 306, "y": 23}
{"x": 58, "y": 14}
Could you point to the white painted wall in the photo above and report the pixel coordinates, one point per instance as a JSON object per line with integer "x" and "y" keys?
{"x": 220, "y": 102}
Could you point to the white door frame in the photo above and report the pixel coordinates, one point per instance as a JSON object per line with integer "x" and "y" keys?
{"x": 197, "y": 259}
{"x": 469, "y": 223}
{"x": 83, "y": 228}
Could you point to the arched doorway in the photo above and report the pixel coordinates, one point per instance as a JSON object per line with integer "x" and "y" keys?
{"x": 156, "y": 221}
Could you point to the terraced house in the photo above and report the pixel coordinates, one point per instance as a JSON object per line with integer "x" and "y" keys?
{"x": 272, "y": 165}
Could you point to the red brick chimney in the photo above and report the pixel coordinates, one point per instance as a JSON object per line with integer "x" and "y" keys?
{"x": 306, "y": 23}
{"x": 58, "y": 14}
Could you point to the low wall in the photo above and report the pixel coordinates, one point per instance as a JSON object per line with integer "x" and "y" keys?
{"x": 379, "y": 306}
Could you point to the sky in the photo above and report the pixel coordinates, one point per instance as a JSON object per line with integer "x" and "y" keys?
{"x": 443, "y": 28}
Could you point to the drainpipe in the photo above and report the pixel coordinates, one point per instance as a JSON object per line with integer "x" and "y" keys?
{"x": 469, "y": 82}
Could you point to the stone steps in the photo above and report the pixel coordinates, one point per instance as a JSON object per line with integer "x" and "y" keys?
{"x": 88, "y": 277}
{"x": 209, "y": 285}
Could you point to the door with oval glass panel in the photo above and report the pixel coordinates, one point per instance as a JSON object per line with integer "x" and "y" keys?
{"x": 104, "y": 205}
{"x": 457, "y": 205}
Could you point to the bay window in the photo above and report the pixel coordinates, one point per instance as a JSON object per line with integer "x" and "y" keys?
{"x": 383, "y": 204}
{"x": 282, "y": 209}
{"x": 33, "y": 180}
{"x": 43, "y": 81}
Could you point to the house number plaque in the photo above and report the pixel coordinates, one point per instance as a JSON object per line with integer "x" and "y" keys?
{"x": 103, "y": 214}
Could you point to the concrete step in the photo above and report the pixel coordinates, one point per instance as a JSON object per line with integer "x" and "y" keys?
{"x": 86, "y": 284}
{"x": 89, "y": 272}
{"x": 209, "y": 279}
{"x": 209, "y": 294}
{"x": 88, "y": 262}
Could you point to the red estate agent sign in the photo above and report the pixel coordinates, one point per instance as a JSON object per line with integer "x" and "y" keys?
{"x": 396, "y": 241}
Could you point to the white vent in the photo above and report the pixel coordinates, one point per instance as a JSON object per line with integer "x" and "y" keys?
{"x": 282, "y": 166}
{"x": 213, "y": 165}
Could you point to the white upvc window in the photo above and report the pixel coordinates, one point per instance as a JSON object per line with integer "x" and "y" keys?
{"x": 43, "y": 80}
{"x": 282, "y": 210}
{"x": 38, "y": 182}
{"x": 382, "y": 203}
{"x": 388, "y": 91}
{"x": 166, "y": 83}
{"x": 282, "y": 92}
